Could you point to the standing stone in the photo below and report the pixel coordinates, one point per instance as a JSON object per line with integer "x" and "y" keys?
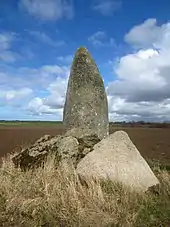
{"x": 86, "y": 106}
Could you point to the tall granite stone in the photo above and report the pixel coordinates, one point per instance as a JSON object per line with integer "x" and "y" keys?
{"x": 86, "y": 107}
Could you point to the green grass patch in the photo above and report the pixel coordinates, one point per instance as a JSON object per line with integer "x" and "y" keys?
{"x": 29, "y": 123}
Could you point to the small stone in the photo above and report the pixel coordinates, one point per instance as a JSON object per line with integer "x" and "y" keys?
{"x": 68, "y": 149}
{"x": 88, "y": 140}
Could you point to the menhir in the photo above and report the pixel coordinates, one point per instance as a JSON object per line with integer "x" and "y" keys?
{"x": 86, "y": 106}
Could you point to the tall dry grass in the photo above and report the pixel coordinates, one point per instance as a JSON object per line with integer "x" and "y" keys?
{"x": 50, "y": 197}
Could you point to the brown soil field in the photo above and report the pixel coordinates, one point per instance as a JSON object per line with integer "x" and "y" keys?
{"x": 16, "y": 137}
{"x": 153, "y": 143}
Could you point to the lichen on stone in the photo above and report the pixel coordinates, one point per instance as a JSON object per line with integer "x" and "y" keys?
{"x": 86, "y": 96}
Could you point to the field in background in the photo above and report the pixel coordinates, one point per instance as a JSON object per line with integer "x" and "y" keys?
{"x": 29, "y": 123}
{"x": 152, "y": 140}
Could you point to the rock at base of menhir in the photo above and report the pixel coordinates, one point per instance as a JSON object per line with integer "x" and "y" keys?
{"x": 63, "y": 147}
{"x": 86, "y": 106}
{"x": 116, "y": 158}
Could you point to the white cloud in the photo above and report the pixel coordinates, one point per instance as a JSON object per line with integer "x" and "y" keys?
{"x": 122, "y": 110}
{"x": 35, "y": 78}
{"x": 57, "y": 91}
{"x": 37, "y": 107}
{"x": 100, "y": 39}
{"x": 65, "y": 59}
{"x": 149, "y": 34}
{"x": 49, "y": 10}
{"x": 107, "y": 7}
{"x": 43, "y": 37}
{"x": 53, "y": 103}
{"x": 35, "y": 91}
{"x": 5, "y": 41}
{"x": 6, "y": 54}
{"x": 15, "y": 97}
{"x": 141, "y": 89}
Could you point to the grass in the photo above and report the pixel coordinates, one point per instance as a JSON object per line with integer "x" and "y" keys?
{"x": 29, "y": 123}
{"x": 157, "y": 164}
{"x": 50, "y": 197}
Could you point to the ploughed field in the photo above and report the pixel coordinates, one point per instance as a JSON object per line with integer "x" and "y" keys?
{"x": 153, "y": 143}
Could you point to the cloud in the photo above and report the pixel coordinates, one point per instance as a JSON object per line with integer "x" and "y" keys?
{"x": 43, "y": 37}
{"x": 6, "y": 54}
{"x": 100, "y": 39}
{"x": 107, "y": 7}
{"x": 26, "y": 52}
{"x": 35, "y": 91}
{"x": 15, "y": 97}
{"x": 37, "y": 107}
{"x": 48, "y": 10}
{"x": 122, "y": 110}
{"x": 35, "y": 78}
{"x": 149, "y": 34}
{"x": 65, "y": 59}
{"x": 141, "y": 88}
{"x": 53, "y": 103}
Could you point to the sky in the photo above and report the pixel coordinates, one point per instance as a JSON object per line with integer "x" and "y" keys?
{"x": 128, "y": 39}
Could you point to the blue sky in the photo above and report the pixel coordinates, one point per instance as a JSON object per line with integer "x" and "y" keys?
{"x": 128, "y": 39}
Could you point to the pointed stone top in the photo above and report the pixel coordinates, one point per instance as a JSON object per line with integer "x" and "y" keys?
{"x": 82, "y": 50}
{"x": 84, "y": 62}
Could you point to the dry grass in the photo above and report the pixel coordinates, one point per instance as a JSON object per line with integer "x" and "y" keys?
{"x": 51, "y": 198}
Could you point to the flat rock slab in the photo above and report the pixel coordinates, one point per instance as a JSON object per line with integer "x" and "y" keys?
{"x": 116, "y": 158}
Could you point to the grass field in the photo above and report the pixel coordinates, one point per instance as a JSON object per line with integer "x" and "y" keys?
{"x": 29, "y": 123}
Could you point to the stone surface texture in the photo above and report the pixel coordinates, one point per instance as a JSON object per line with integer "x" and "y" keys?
{"x": 116, "y": 158}
{"x": 86, "y": 107}
{"x": 63, "y": 147}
